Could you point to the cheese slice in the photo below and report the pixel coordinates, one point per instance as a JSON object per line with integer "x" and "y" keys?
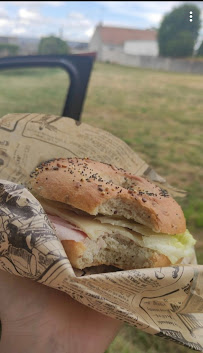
{"x": 173, "y": 246}
{"x": 137, "y": 227}
{"x": 92, "y": 227}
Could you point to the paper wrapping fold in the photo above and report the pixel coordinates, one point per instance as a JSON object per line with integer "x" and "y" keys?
{"x": 166, "y": 301}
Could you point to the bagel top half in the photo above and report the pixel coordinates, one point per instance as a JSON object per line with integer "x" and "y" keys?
{"x": 98, "y": 188}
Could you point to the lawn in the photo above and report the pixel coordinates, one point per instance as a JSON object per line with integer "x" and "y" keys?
{"x": 158, "y": 114}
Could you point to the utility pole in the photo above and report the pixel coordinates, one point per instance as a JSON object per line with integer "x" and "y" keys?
{"x": 61, "y": 32}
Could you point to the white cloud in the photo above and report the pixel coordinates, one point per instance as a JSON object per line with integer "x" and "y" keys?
{"x": 18, "y": 31}
{"x": 76, "y": 26}
{"x": 153, "y": 17}
{"x": 77, "y": 19}
{"x": 28, "y": 18}
{"x": 89, "y": 32}
{"x": 3, "y": 12}
{"x": 131, "y": 7}
{"x": 31, "y": 22}
{"x": 4, "y": 22}
{"x": 28, "y": 15}
{"x": 133, "y": 12}
{"x": 76, "y": 15}
{"x": 151, "y": 12}
{"x": 159, "y": 6}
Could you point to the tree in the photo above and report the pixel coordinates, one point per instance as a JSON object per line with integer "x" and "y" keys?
{"x": 177, "y": 35}
{"x": 200, "y": 50}
{"x": 8, "y": 49}
{"x": 53, "y": 45}
{"x": 181, "y": 46}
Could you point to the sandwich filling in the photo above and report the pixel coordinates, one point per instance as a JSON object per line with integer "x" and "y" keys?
{"x": 71, "y": 226}
{"x": 106, "y": 215}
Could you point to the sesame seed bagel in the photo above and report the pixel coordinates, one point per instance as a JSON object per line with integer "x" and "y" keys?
{"x": 99, "y": 188}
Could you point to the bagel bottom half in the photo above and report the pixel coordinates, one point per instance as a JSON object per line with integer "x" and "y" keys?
{"x": 98, "y": 240}
{"x": 116, "y": 251}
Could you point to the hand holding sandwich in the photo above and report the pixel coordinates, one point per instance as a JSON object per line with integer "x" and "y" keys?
{"x": 36, "y": 318}
{"x": 103, "y": 215}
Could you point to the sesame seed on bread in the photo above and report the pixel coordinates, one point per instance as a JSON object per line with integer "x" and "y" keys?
{"x": 100, "y": 188}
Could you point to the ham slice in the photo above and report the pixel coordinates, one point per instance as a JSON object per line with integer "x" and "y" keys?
{"x": 65, "y": 230}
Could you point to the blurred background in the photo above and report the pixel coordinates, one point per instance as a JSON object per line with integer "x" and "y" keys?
{"x": 146, "y": 87}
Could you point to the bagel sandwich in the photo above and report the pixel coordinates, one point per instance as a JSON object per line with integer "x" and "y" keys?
{"x": 104, "y": 215}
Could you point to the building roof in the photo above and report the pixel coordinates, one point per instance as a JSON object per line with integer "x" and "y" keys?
{"x": 117, "y": 35}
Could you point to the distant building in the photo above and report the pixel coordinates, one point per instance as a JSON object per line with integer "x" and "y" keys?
{"x": 27, "y": 46}
{"x": 8, "y": 40}
{"x": 111, "y": 41}
{"x": 77, "y": 47}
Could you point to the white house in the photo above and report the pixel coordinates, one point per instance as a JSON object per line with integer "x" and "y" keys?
{"x": 109, "y": 42}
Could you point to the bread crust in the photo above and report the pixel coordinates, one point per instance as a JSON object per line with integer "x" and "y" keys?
{"x": 74, "y": 251}
{"x": 91, "y": 186}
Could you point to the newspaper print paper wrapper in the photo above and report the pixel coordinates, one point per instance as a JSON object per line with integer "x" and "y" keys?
{"x": 167, "y": 302}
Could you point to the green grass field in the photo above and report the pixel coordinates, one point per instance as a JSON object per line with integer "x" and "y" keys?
{"x": 158, "y": 114}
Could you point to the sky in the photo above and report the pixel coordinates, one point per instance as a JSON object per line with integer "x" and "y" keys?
{"x": 76, "y": 20}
